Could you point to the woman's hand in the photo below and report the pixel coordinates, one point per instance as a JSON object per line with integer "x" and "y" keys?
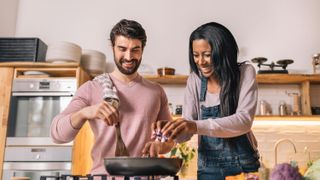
{"x": 154, "y": 148}
{"x": 172, "y": 129}
{"x": 103, "y": 110}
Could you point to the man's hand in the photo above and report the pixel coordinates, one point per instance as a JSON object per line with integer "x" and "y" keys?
{"x": 103, "y": 111}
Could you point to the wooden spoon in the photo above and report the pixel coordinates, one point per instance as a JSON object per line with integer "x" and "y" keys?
{"x": 121, "y": 149}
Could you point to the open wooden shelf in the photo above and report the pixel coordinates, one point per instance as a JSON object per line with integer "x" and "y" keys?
{"x": 49, "y": 72}
{"x": 39, "y": 64}
{"x": 168, "y": 79}
{"x": 288, "y": 118}
{"x": 261, "y": 78}
{"x": 303, "y": 80}
{"x": 287, "y": 78}
{"x": 277, "y": 118}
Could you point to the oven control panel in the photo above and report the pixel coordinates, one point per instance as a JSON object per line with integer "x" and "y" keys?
{"x": 51, "y": 85}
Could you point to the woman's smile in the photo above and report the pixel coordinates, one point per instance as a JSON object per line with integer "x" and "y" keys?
{"x": 202, "y": 56}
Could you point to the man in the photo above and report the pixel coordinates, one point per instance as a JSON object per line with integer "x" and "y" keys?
{"x": 141, "y": 103}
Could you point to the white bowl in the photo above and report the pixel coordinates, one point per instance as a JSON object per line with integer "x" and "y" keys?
{"x": 63, "y": 51}
{"x": 94, "y": 62}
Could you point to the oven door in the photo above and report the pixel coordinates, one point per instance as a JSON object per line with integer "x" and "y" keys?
{"x": 31, "y": 114}
{"x": 34, "y": 170}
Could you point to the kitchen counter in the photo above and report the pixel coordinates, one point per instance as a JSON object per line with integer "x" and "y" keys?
{"x": 287, "y": 118}
{"x": 38, "y": 64}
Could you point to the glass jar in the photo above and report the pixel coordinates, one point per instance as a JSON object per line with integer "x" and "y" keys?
{"x": 170, "y": 108}
{"x": 178, "y": 109}
{"x": 263, "y": 107}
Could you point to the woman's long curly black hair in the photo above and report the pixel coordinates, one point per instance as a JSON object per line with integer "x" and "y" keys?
{"x": 224, "y": 59}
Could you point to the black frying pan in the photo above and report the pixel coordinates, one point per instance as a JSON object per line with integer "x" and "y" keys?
{"x": 142, "y": 166}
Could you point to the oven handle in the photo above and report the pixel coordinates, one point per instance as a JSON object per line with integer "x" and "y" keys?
{"x": 42, "y": 94}
{"x": 37, "y": 166}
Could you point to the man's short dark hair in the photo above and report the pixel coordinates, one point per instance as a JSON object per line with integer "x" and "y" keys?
{"x": 130, "y": 29}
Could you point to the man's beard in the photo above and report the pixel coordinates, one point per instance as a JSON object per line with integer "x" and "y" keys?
{"x": 135, "y": 62}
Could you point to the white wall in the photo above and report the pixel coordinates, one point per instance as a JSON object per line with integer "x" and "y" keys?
{"x": 8, "y": 15}
{"x": 275, "y": 29}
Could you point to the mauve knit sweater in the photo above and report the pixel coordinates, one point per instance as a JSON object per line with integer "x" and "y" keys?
{"x": 142, "y": 102}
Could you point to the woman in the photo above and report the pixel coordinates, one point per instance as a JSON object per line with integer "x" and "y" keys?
{"x": 219, "y": 105}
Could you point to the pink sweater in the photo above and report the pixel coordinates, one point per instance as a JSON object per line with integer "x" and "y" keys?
{"x": 141, "y": 103}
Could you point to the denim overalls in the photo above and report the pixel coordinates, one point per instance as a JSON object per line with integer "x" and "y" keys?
{"x": 221, "y": 157}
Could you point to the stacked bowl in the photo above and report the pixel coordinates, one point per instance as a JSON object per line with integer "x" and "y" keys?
{"x": 63, "y": 52}
{"x": 94, "y": 62}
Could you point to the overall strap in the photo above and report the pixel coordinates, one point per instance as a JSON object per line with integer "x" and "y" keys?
{"x": 203, "y": 89}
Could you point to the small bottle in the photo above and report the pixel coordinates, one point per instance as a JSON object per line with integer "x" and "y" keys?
{"x": 178, "y": 109}
{"x": 263, "y": 107}
{"x": 170, "y": 108}
{"x": 282, "y": 108}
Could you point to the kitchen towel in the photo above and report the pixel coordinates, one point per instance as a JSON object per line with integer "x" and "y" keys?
{"x": 109, "y": 91}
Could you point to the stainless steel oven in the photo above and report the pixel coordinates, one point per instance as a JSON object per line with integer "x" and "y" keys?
{"x": 29, "y": 150}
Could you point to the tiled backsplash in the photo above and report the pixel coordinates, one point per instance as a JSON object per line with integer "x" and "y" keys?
{"x": 275, "y": 94}
{"x": 314, "y": 93}
{"x": 302, "y": 133}
{"x": 175, "y": 94}
{"x": 272, "y": 94}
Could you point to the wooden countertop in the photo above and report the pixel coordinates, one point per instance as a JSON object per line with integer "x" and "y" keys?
{"x": 278, "y": 118}
{"x": 288, "y": 118}
{"x": 38, "y": 64}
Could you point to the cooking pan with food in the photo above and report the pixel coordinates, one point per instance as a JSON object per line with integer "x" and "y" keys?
{"x": 142, "y": 166}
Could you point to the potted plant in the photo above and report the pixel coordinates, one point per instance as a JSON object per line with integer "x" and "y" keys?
{"x": 186, "y": 153}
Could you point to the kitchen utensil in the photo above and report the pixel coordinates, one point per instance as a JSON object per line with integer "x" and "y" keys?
{"x": 142, "y": 166}
{"x": 259, "y": 60}
{"x": 283, "y": 63}
{"x": 296, "y": 105}
{"x": 282, "y": 108}
{"x": 121, "y": 149}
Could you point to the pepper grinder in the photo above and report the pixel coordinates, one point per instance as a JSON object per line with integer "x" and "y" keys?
{"x": 316, "y": 63}
{"x": 296, "y": 109}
